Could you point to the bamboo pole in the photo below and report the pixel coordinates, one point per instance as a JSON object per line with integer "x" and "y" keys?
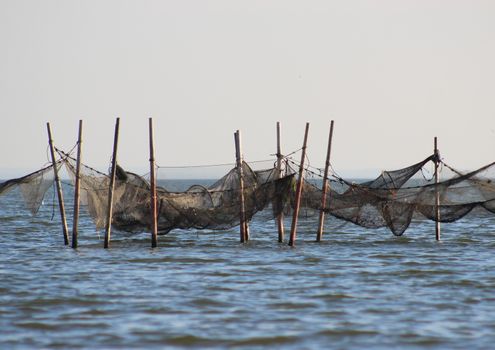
{"x": 59, "y": 187}
{"x": 244, "y": 234}
{"x": 154, "y": 224}
{"x": 77, "y": 187}
{"x": 300, "y": 181}
{"x": 280, "y": 216}
{"x": 246, "y": 224}
{"x": 324, "y": 188}
{"x": 437, "y": 193}
{"x": 112, "y": 185}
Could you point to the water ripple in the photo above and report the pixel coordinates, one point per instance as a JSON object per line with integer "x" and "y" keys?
{"x": 200, "y": 289}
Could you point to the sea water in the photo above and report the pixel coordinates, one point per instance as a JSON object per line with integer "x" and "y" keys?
{"x": 202, "y": 289}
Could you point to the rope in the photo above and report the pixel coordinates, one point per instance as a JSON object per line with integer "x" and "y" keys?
{"x": 469, "y": 176}
{"x": 253, "y": 186}
{"x": 306, "y": 168}
{"x": 208, "y": 165}
{"x": 424, "y": 176}
{"x": 73, "y": 148}
{"x": 67, "y": 156}
{"x": 293, "y": 152}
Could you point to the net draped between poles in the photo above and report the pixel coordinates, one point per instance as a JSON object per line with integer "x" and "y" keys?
{"x": 213, "y": 207}
{"x": 33, "y": 186}
{"x": 391, "y": 200}
{"x": 396, "y": 197}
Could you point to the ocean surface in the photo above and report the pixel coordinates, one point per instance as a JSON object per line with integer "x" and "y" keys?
{"x": 358, "y": 289}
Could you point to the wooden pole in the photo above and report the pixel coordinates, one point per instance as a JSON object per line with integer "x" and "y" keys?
{"x": 244, "y": 235}
{"x": 246, "y": 224}
{"x": 324, "y": 188}
{"x": 237, "y": 161}
{"x": 300, "y": 181}
{"x": 112, "y": 185}
{"x": 280, "y": 217}
{"x": 59, "y": 187}
{"x": 437, "y": 193}
{"x": 77, "y": 187}
{"x": 154, "y": 224}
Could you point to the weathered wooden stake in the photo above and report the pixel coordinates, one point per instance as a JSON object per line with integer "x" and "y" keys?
{"x": 77, "y": 187}
{"x": 112, "y": 185}
{"x": 280, "y": 217}
{"x": 246, "y": 224}
{"x": 59, "y": 187}
{"x": 244, "y": 234}
{"x": 300, "y": 181}
{"x": 154, "y": 224}
{"x": 437, "y": 193}
{"x": 324, "y": 188}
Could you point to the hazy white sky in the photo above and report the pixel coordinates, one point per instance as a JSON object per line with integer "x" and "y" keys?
{"x": 392, "y": 74}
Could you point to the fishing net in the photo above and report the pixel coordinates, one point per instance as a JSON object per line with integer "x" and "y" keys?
{"x": 32, "y": 186}
{"x": 214, "y": 207}
{"x": 391, "y": 200}
{"x": 394, "y": 198}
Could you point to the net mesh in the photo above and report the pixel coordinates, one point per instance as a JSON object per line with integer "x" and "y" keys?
{"x": 391, "y": 200}
{"x": 394, "y": 198}
{"x": 32, "y": 186}
{"x": 216, "y": 206}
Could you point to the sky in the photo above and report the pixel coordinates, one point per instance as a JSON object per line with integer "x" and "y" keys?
{"x": 391, "y": 74}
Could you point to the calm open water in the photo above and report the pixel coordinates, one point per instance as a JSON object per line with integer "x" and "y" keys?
{"x": 359, "y": 289}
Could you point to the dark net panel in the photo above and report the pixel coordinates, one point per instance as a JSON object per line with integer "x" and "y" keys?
{"x": 218, "y": 206}
{"x": 214, "y": 207}
{"x": 33, "y": 187}
{"x": 391, "y": 200}
{"x": 384, "y": 202}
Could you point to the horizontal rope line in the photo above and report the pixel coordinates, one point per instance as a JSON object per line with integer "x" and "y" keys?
{"x": 211, "y": 165}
